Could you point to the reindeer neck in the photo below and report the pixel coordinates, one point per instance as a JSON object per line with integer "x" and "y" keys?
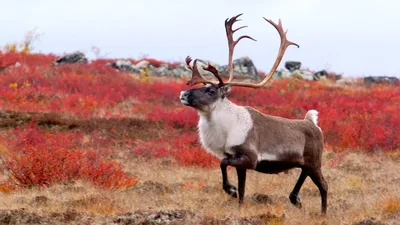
{"x": 223, "y": 105}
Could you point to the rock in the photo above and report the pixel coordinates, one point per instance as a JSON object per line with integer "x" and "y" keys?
{"x": 124, "y": 65}
{"x": 19, "y": 216}
{"x": 181, "y": 72}
{"x": 162, "y": 70}
{"x": 75, "y": 57}
{"x": 152, "y": 217}
{"x": 142, "y": 64}
{"x": 282, "y": 74}
{"x": 246, "y": 65}
{"x": 265, "y": 218}
{"x": 242, "y": 67}
{"x": 295, "y": 71}
{"x": 320, "y": 74}
{"x": 261, "y": 199}
{"x": 303, "y": 74}
{"x": 292, "y": 65}
{"x": 371, "y": 221}
{"x": 381, "y": 80}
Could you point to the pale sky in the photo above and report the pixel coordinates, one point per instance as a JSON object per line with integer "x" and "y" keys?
{"x": 353, "y": 37}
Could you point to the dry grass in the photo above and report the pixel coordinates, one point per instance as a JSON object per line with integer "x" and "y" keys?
{"x": 360, "y": 187}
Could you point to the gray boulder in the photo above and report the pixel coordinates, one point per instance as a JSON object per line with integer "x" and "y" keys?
{"x": 168, "y": 71}
{"x": 242, "y": 67}
{"x": 292, "y": 65}
{"x": 142, "y": 64}
{"x": 71, "y": 58}
{"x": 282, "y": 74}
{"x": 320, "y": 74}
{"x": 306, "y": 75}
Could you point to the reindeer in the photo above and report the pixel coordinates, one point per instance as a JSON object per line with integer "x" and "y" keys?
{"x": 247, "y": 139}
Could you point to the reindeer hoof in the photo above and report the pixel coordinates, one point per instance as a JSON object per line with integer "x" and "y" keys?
{"x": 231, "y": 190}
{"x": 295, "y": 200}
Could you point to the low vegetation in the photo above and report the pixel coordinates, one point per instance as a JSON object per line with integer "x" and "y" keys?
{"x": 85, "y": 142}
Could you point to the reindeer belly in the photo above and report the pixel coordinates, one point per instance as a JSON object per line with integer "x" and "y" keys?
{"x": 279, "y": 160}
{"x": 273, "y": 167}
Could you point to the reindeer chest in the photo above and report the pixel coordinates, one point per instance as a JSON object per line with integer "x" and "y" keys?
{"x": 223, "y": 131}
{"x": 212, "y": 136}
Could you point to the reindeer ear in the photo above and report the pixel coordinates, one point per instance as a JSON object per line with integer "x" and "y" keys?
{"x": 225, "y": 90}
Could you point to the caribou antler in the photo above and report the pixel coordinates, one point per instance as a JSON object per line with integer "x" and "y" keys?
{"x": 285, "y": 43}
{"x": 196, "y": 76}
{"x": 214, "y": 71}
{"x": 231, "y": 43}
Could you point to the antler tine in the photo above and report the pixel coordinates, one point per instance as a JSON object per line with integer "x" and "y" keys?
{"x": 232, "y": 43}
{"x": 282, "y": 33}
{"x": 188, "y": 60}
{"x": 196, "y": 76}
{"x": 214, "y": 71}
{"x": 284, "y": 44}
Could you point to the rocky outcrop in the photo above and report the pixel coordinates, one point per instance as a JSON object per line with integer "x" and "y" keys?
{"x": 304, "y": 74}
{"x": 381, "y": 80}
{"x": 244, "y": 69}
{"x": 124, "y": 65}
{"x": 71, "y": 58}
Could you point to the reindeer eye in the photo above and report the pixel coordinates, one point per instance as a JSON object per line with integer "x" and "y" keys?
{"x": 210, "y": 91}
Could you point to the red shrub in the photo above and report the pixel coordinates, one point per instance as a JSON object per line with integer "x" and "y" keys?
{"x": 37, "y": 158}
{"x": 176, "y": 118}
{"x": 183, "y": 147}
{"x": 351, "y": 117}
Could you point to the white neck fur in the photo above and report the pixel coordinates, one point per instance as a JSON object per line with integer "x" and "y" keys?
{"x": 225, "y": 125}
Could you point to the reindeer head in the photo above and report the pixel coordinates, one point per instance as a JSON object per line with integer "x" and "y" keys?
{"x": 204, "y": 98}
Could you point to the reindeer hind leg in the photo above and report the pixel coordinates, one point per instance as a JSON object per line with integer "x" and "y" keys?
{"x": 294, "y": 198}
{"x": 318, "y": 179}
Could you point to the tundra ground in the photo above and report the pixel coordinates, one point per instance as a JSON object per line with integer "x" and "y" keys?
{"x": 363, "y": 189}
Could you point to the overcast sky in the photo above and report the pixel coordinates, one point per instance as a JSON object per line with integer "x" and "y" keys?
{"x": 356, "y": 38}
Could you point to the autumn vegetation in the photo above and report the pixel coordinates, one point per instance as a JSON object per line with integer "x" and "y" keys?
{"x": 79, "y": 123}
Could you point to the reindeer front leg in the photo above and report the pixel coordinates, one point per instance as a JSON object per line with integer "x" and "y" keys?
{"x": 241, "y": 162}
{"x": 228, "y": 187}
